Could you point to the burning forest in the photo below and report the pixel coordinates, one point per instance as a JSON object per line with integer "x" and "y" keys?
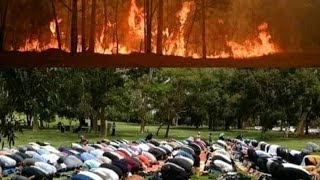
{"x": 193, "y": 29}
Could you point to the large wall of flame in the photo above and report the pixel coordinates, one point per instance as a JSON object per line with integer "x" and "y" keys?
{"x": 293, "y": 24}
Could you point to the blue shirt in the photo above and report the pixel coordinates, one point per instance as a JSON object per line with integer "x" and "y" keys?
{"x": 86, "y": 156}
{"x": 39, "y": 158}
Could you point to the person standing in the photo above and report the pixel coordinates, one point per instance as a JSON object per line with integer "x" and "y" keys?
{"x": 113, "y": 129}
{"x": 62, "y": 128}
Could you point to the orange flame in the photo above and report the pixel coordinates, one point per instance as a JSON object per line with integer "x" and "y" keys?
{"x": 136, "y": 20}
{"x": 53, "y": 26}
{"x": 175, "y": 45}
{"x": 174, "y": 41}
{"x": 260, "y": 46}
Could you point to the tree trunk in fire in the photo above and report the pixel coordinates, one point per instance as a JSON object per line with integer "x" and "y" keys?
{"x": 83, "y": 26}
{"x": 74, "y": 28}
{"x": 204, "y": 47}
{"x": 160, "y": 27}
{"x": 57, "y": 25}
{"x": 93, "y": 26}
{"x": 115, "y": 36}
{"x": 148, "y": 26}
{"x": 3, "y": 24}
{"x": 105, "y": 12}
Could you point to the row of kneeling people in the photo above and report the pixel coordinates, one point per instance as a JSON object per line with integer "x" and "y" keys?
{"x": 106, "y": 159}
{"x": 276, "y": 161}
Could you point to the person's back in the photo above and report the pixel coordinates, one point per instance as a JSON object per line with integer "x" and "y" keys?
{"x": 49, "y": 169}
{"x": 171, "y": 171}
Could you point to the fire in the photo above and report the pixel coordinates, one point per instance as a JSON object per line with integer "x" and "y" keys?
{"x": 174, "y": 39}
{"x": 136, "y": 20}
{"x": 260, "y": 46}
{"x": 53, "y": 26}
{"x": 175, "y": 45}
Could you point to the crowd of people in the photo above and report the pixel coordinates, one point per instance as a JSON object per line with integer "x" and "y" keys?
{"x": 113, "y": 160}
{"x": 158, "y": 160}
{"x": 262, "y": 160}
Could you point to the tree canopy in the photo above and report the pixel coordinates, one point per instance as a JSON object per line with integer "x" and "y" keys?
{"x": 217, "y": 98}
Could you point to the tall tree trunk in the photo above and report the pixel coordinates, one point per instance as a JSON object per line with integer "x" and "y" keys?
{"x": 168, "y": 128}
{"x": 210, "y": 123}
{"x": 204, "y": 46}
{"x": 115, "y": 36}
{"x": 57, "y": 25}
{"x": 226, "y": 125}
{"x": 35, "y": 123}
{"x": 82, "y": 121}
{"x": 28, "y": 120}
{"x": 41, "y": 123}
{"x": 83, "y": 26}
{"x": 239, "y": 122}
{"x": 93, "y": 26}
{"x": 307, "y": 123}
{"x": 157, "y": 133}
{"x": 191, "y": 27}
{"x": 94, "y": 123}
{"x": 142, "y": 125}
{"x": 105, "y": 12}
{"x": 3, "y": 24}
{"x": 160, "y": 27}
{"x": 74, "y": 27}
{"x": 148, "y": 28}
{"x": 102, "y": 123}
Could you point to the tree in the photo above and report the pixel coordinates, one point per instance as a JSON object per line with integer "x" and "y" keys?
{"x": 4, "y": 6}
{"x": 160, "y": 27}
{"x": 204, "y": 47}
{"x": 56, "y": 25}
{"x": 93, "y": 26}
{"x": 83, "y": 26}
{"x": 74, "y": 27}
{"x": 148, "y": 26}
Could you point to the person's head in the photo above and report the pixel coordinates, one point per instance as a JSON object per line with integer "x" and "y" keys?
{"x": 221, "y": 136}
{"x": 114, "y": 123}
{"x": 82, "y": 137}
{"x": 60, "y": 161}
{"x": 199, "y": 133}
{"x": 210, "y": 134}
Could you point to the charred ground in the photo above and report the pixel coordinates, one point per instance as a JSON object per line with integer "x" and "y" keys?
{"x": 56, "y": 58}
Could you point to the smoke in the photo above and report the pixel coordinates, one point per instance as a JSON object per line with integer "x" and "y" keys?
{"x": 294, "y": 24}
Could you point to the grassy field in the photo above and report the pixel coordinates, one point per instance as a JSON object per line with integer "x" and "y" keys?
{"x": 131, "y": 132}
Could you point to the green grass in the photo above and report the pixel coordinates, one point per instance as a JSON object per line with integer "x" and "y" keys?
{"x": 131, "y": 132}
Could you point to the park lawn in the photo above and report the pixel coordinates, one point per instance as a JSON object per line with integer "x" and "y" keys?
{"x": 131, "y": 132}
